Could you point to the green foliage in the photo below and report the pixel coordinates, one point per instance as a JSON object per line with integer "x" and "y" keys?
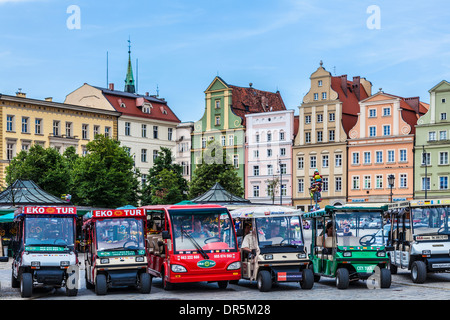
{"x": 215, "y": 167}
{"x": 165, "y": 184}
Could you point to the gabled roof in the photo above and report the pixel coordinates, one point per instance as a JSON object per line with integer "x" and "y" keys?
{"x": 217, "y": 194}
{"x": 27, "y": 192}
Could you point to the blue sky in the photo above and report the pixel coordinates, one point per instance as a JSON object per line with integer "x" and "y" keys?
{"x": 182, "y": 45}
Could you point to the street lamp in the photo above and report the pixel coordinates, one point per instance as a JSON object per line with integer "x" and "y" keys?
{"x": 281, "y": 182}
{"x": 391, "y": 180}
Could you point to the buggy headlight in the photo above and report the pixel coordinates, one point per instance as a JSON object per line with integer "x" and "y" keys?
{"x": 301, "y": 255}
{"x": 104, "y": 260}
{"x": 347, "y": 254}
{"x": 178, "y": 268}
{"x": 64, "y": 264}
{"x": 234, "y": 266}
{"x": 268, "y": 257}
{"x": 381, "y": 254}
{"x": 139, "y": 259}
{"x": 35, "y": 264}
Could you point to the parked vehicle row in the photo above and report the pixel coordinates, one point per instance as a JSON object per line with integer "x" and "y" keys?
{"x": 195, "y": 243}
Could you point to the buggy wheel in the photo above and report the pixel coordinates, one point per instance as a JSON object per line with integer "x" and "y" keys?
{"x": 342, "y": 278}
{"x": 264, "y": 281}
{"x": 166, "y": 284}
{"x": 307, "y": 279}
{"x": 385, "y": 278}
{"x": 26, "y": 285}
{"x": 101, "y": 287}
{"x": 418, "y": 272}
{"x": 222, "y": 284}
{"x": 145, "y": 283}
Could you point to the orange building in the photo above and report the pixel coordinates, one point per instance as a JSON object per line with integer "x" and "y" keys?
{"x": 381, "y": 144}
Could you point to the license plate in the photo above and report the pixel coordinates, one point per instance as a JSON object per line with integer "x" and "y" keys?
{"x": 441, "y": 265}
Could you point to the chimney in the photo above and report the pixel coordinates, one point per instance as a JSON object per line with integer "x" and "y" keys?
{"x": 357, "y": 87}
{"x": 21, "y": 94}
{"x": 344, "y": 83}
{"x": 367, "y": 85}
{"x": 413, "y": 103}
{"x": 111, "y": 86}
{"x": 49, "y": 99}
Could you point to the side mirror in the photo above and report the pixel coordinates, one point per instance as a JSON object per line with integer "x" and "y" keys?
{"x": 165, "y": 235}
{"x": 389, "y": 248}
{"x": 239, "y": 232}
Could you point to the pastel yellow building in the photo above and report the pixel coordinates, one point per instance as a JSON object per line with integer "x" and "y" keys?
{"x": 25, "y": 122}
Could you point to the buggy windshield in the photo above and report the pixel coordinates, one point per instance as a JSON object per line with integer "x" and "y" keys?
{"x": 359, "y": 228}
{"x": 120, "y": 234}
{"x": 279, "y": 231}
{"x": 431, "y": 220}
{"x": 49, "y": 230}
{"x": 202, "y": 230}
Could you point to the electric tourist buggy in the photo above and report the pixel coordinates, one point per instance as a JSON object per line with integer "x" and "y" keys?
{"x": 346, "y": 245}
{"x": 419, "y": 235}
{"x": 44, "y": 249}
{"x": 273, "y": 248}
{"x": 115, "y": 250}
{"x": 192, "y": 243}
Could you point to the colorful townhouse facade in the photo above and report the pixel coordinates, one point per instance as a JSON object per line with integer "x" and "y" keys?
{"x": 432, "y": 146}
{"x": 224, "y": 120}
{"x": 268, "y": 150}
{"x": 26, "y": 121}
{"x": 380, "y": 147}
{"x": 183, "y": 147}
{"x": 328, "y": 111}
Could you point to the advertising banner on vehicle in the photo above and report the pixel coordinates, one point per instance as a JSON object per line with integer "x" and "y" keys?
{"x": 118, "y": 213}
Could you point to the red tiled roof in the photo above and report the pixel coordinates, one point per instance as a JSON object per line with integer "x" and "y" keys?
{"x": 131, "y": 105}
{"x": 250, "y": 100}
{"x": 296, "y": 124}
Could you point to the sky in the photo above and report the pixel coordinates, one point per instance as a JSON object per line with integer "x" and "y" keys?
{"x": 48, "y": 49}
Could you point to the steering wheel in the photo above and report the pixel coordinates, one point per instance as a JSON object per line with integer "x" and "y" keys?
{"x": 368, "y": 242}
{"x": 286, "y": 240}
{"x": 60, "y": 240}
{"x": 208, "y": 240}
{"x": 131, "y": 240}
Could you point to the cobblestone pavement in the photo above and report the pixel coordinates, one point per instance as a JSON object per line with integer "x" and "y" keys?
{"x": 437, "y": 287}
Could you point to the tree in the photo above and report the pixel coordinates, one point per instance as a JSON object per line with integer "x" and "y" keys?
{"x": 106, "y": 176}
{"x": 165, "y": 184}
{"x": 46, "y": 167}
{"x": 215, "y": 167}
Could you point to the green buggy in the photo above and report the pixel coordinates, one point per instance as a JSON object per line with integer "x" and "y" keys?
{"x": 348, "y": 244}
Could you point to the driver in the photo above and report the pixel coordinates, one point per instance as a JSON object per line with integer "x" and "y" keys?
{"x": 199, "y": 232}
{"x": 328, "y": 234}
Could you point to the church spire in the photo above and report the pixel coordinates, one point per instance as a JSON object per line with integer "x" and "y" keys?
{"x": 129, "y": 81}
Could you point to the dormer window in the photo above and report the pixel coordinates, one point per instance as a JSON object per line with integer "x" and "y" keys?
{"x": 122, "y": 105}
{"x": 146, "y": 108}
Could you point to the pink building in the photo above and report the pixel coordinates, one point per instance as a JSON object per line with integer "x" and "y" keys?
{"x": 268, "y": 154}
{"x": 381, "y": 144}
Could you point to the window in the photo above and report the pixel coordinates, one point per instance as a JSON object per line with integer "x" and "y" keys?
{"x": 372, "y": 113}
{"x": 217, "y": 121}
{"x": 426, "y": 183}
{"x": 256, "y": 138}
{"x": 269, "y": 169}
{"x": 379, "y": 181}
{"x": 379, "y": 156}
{"x": 316, "y": 96}
{"x": 324, "y": 96}
{"x": 96, "y": 130}
{"x": 269, "y": 152}
{"x": 319, "y": 83}
{"x": 367, "y": 181}
{"x": 355, "y": 158}
{"x": 185, "y": 168}
{"x": 10, "y": 151}
{"x": 391, "y": 156}
{"x": 155, "y": 132}
{"x": 236, "y": 161}
{"x": 442, "y": 135}
{"x": 319, "y": 136}
{"x": 169, "y": 134}
{"x": 25, "y": 146}
{"x": 319, "y": 118}
{"x": 155, "y": 154}
{"x": 443, "y": 183}
{"x": 269, "y": 136}
{"x": 68, "y": 129}
{"x": 386, "y": 130}
{"x": 217, "y": 104}
{"x": 269, "y": 190}
{"x": 325, "y": 161}
{"x": 9, "y": 123}
{"x": 443, "y": 100}
{"x": 367, "y": 158}
{"x": 372, "y": 131}
{"x": 255, "y": 153}
{"x": 331, "y": 135}
{"x": 338, "y": 160}
{"x": 355, "y": 182}
{"x": 443, "y": 116}
{"x": 386, "y": 112}
{"x": 143, "y": 179}
{"x": 403, "y": 157}
{"x": 56, "y": 128}
{"x": 127, "y": 128}
{"x": 432, "y": 136}
{"x": 282, "y": 152}
{"x": 256, "y": 191}
{"x": 85, "y": 131}
{"x": 144, "y": 155}
{"x": 325, "y": 184}
{"x": 107, "y": 131}
{"x": 312, "y": 162}
{"x": 144, "y": 131}
{"x": 426, "y": 158}
{"x": 331, "y": 116}
{"x": 403, "y": 180}
{"x": 300, "y": 163}
{"x": 338, "y": 183}
{"x": 307, "y": 137}
{"x": 307, "y": 119}
{"x": 443, "y": 158}
{"x": 282, "y": 136}
{"x": 283, "y": 190}
{"x": 301, "y": 185}
{"x": 203, "y": 143}
{"x": 283, "y": 168}
{"x": 231, "y": 139}
{"x": 38, "y": 126}
{"x": 256, "y": 170}
{"x": 24, "y": 124}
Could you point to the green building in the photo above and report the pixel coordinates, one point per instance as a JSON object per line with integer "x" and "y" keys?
{"x": 432, "y": 147}
{"x": 224, "y": 120}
